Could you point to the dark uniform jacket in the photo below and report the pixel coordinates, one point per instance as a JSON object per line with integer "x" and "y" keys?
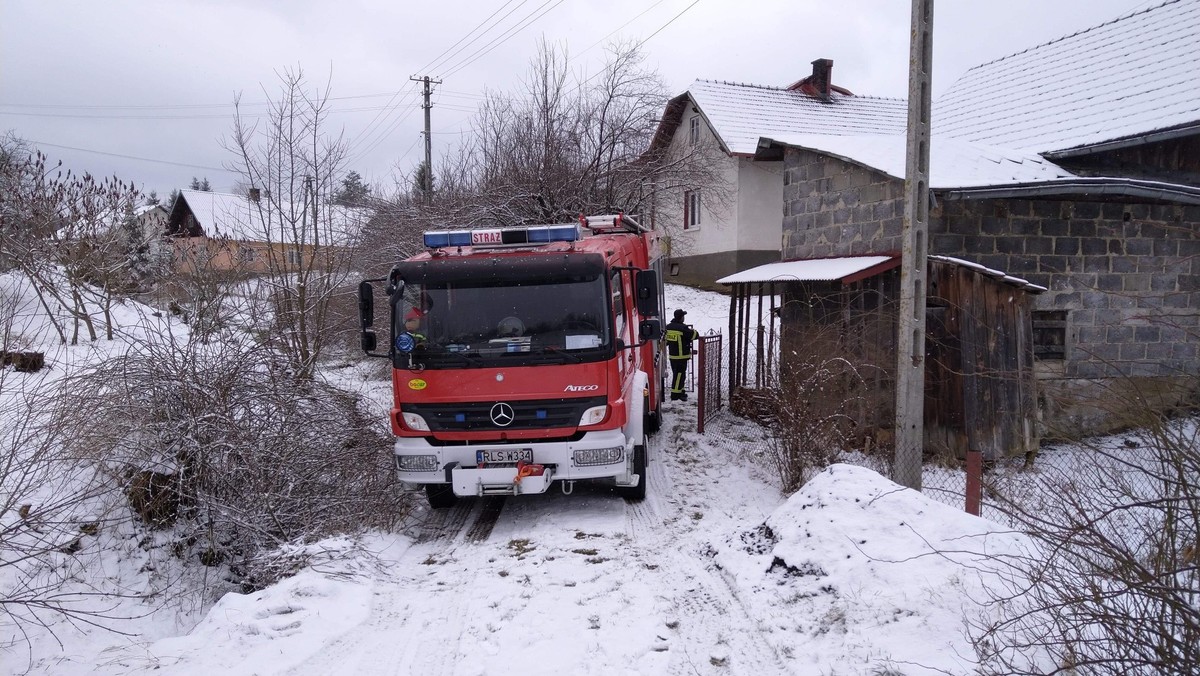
{"x": 679, "y": 337}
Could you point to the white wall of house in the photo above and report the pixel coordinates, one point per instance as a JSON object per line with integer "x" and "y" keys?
{"x": 750, "y": 217}
{"x": 760, "y": 205}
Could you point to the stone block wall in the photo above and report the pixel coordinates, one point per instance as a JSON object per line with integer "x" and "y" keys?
{"x": 1128, "y": 274}
{"x": 835, "y": 208}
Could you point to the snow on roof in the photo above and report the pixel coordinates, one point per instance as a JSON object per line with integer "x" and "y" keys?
{"x": 953, "y": 163}
{"x": 739, "y": 114}
{"x": 832, "y": 269}
{"x": 812, "y": 270}
{"x": 1131, "y": 76}
{"x": 239, "y": 218}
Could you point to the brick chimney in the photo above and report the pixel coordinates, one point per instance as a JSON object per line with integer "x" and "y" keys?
{"x": 822, "y": 78}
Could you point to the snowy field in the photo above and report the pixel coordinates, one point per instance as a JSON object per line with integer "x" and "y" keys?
{"x": 716, "y": 572}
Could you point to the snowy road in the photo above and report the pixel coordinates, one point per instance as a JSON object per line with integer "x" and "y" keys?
{"x": 580, "y": 584}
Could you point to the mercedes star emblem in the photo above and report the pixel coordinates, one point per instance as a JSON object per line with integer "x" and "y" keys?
{"x": 503, "y": 414}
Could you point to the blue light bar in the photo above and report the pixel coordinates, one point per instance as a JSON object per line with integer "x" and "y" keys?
{"x": 440, "y": 238}
{"x": 536, "y": 234}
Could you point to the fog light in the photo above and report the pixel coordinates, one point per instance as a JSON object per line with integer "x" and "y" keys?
{"x": 593, "y": 415}
{"x": 599, "y": 456}
{"x": 417, "y": 463}
{"x": 415, "y": 422}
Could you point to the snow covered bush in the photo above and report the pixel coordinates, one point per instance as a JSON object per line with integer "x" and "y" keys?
{"x": 251, "y": 456}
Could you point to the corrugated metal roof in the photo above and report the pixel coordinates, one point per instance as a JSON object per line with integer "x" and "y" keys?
{"x": 812, "y": 270}
{"x": 739, "y": 114}
{"x": 1131, "y": 76}
{"x": 834, "y": 269}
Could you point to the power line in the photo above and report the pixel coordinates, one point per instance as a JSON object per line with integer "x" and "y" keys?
{"x": 172, "y": 106}
{"x": 128, "y": 157}
{"x": 504, "y": 37}
{"x": 618, "y": 29}
{"x": 438, "y": 60}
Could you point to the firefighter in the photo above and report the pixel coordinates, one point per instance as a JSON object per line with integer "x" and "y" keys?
{"x": 679, "y": 337}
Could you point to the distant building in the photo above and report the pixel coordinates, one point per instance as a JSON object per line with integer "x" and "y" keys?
{"x": 248, "y": 234}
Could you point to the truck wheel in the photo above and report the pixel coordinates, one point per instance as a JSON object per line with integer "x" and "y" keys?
{"x": 440, "y": 496}
{"x": 653, "y": 419}
{"x": 638, "y": 493}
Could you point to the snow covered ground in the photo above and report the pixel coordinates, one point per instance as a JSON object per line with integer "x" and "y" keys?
{"x": 716, "y": 572}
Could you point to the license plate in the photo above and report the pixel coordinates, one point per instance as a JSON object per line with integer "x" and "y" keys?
{"x": 503, "y": 456}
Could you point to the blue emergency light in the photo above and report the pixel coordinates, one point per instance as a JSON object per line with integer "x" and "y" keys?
{"x": 536, "y": 234}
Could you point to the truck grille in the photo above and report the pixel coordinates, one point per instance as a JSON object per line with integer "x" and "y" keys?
{"x": 526, "y": 415}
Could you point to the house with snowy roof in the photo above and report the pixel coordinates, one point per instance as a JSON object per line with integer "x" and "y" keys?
{"x": 723, "y": 229}
{"x": 1073, "y": 166}
{"x": 246, "y": 234}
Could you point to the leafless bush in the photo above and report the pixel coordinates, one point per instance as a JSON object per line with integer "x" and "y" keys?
{"x": 1112, "y": 584}
{"x": 250, "y": 455}
{"x": 814, "y": 417}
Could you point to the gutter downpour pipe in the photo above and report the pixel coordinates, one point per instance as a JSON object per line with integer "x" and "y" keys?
{"x": 1177, "y": 194}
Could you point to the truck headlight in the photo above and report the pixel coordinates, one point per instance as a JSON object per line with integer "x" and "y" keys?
{"x": 599, "y": 456}
{"x": 593, "y": 415}
{"x": 415, "y": 422}
{"x": 417, "y": 463}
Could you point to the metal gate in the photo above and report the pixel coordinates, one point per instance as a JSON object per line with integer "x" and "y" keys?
{"x": 708, "y": 379}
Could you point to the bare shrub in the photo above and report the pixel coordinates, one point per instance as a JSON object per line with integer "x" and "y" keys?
{"x": 252, "y": 454}
{"x": 1112, "y": 584}
{"x": 814, "y": 417}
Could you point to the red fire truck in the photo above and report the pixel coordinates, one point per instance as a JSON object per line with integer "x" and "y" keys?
{"x": 523, "y": 357}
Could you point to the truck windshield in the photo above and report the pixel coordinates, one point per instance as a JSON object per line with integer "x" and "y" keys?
{"x": 458, "y": 324}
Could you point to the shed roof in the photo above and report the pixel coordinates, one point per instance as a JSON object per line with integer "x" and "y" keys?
{"x": 811, "y": 270}
{"x": 1136, "y": 75}
{"x": 739, "y": 114}
{"x": 852, "y": 268}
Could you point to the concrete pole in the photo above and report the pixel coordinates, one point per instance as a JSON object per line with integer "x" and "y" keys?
{"x": 910, "y": 353}
{"x": 427, "y": 105}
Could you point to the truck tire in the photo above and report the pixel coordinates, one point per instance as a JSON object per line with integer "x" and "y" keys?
{"x": 638, "y": 493}
{"x": 653, "y": 419}
{"x": 440, "y": 496}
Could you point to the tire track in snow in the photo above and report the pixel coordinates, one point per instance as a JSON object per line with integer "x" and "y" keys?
{"x": 712, "y": 630}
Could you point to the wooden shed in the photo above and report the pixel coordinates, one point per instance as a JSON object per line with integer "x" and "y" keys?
{"x": 822, "y": 333}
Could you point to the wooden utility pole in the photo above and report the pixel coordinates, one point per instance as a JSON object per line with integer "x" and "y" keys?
{"x": 428, "y": 183}
{"x": 910, "y": 353}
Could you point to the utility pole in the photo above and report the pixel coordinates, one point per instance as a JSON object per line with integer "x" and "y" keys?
{"x": 910, "y": 352}
{"x": 428, "y": 138}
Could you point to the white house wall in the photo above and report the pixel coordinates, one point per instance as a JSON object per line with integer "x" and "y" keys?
{"x": 759, "y": 206}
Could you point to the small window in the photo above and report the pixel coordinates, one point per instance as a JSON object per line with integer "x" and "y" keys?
{"x": 1049, "y": 334}
{"x": 246, "y": 254}
{"x": 293, "y": 256}
{"x": 691, "y": 209}
{"x": 674, "y": 269}
{"x": 694, "y": 130}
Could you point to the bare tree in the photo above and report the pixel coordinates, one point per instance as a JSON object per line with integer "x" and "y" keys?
{"x": 294, "y": 165}
{"x": 565, "y": 144}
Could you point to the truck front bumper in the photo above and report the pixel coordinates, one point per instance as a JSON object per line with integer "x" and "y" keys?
{"x": 605, "y": 454}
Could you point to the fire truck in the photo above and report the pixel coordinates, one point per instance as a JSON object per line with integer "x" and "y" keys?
{"x": 524, "y": 356}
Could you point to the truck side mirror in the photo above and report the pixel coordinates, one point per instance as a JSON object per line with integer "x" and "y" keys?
{"x": 366, "y": 306}
{"x": 647, "y": 293}
{"x": 650, "y": 329}
{"x": 367, "y": 341}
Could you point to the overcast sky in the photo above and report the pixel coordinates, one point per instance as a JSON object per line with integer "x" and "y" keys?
{"x": 144, "y": 90}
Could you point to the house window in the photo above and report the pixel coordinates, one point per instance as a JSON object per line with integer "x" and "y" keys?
{"x": 1049, "y": 334}
{"x": 674, "y": 269}
{"x": 691, "y": 209}
{"x": 694, "y": 130}
{"x": 293, "y": 256}
{"x": 246, "y": 254}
